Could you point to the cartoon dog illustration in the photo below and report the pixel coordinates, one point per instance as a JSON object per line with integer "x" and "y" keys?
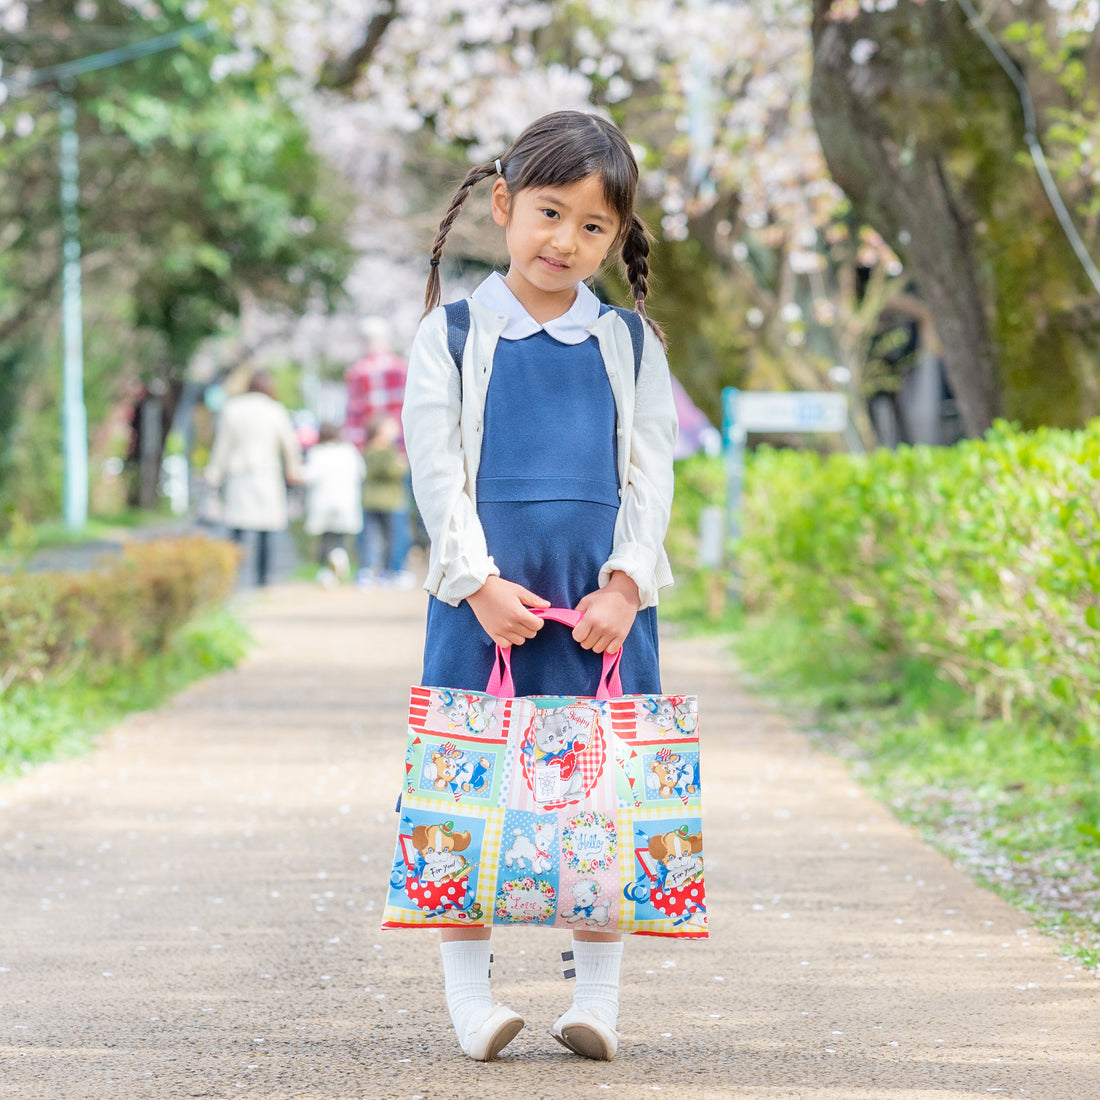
{"x": 676, "y": 854}
{"x": 454, "y": 769}
{"x": 675, "y": 775}
{"x": 433, "y": 874}
{"x": 524, "y": 851}
{"x": 439, "y": 847}
{"x": 671, "y": 878}
{"x": 587, "y": 904}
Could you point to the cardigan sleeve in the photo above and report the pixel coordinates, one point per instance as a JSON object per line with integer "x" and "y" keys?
{"x": 638, "y": 548}
{"x": 459, "y": 561}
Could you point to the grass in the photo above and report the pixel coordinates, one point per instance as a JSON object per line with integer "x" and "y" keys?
{"x": 697, "y": 604}
{"x": 1017, "y": 807}
{"x": 63, "y": 717}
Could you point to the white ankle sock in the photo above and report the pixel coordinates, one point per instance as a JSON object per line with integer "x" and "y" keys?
{"x": 466, "y": 982}
{"x": 597, "y": 991}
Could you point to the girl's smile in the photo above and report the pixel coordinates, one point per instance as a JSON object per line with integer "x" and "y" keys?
{"x": 557, "y": 237}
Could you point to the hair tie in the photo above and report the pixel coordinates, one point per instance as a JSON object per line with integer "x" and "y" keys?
{"x": 500, "y": 171}
{"x": 433, "y": 263}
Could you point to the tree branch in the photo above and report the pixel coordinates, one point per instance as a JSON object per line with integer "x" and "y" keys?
{"x": 340, "y": 73}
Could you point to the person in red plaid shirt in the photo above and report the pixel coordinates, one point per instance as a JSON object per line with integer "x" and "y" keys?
{"x": 376, "y": 389}
{"x": 375, "y": 384}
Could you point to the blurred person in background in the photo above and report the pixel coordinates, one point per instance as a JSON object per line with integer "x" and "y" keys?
{"x": 385, "y": 507}
{"x": 333, "y": 476}
{"x": 375, "y": 388}
{"x": 375, "y": 384}
{"x": 254, "y": 458}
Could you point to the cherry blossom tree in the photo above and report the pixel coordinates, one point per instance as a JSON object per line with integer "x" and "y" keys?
{"x": 714, "y": 96}
{"x": 797, "y": 221}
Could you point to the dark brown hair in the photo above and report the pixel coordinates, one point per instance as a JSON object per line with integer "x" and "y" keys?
{"x": 561, "y": 148}
{"x": 262, "y": 382}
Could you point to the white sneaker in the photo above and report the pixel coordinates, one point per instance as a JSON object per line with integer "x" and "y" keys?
{"x": 326, "y": 578}
{"x": 586, "y": 1034}
{"x": 485, "y": 1041}
{"x": 340, "y": 562}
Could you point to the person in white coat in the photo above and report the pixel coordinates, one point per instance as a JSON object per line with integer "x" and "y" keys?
{"x": 254, "y": 458}
{"x": 334, "y": 475}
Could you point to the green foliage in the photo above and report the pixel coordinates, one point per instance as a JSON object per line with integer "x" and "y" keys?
{"x": 980, "y": 559}
{"x": 53, "y": 624}
{"x": 1072, "y": 130}
{"x": 198, "y": 188}
{"x": 231, "y": 195}
{"x": 44, "y": 721}
{"x": 697, "y": 601}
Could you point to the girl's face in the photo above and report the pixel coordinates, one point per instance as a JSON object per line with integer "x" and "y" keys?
{"x": 557, "y": 237}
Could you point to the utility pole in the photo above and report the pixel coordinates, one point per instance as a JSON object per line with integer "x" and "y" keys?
{"x": 74, "y": 415}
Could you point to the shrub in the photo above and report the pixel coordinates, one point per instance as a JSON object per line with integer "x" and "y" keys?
{"x": 984, "y": 558}
{"x": 52, "y": 623}
{"x": 697, "y": 600}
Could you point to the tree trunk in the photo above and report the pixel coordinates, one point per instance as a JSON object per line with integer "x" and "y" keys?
{"x": 925, "y": 138}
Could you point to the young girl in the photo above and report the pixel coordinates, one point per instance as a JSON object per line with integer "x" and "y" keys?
{"x": 544, "y": 478}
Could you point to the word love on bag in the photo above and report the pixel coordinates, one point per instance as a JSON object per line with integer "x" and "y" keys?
{"x": 550, "y": 811}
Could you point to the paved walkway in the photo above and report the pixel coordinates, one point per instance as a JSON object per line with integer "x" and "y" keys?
{"x": 192, "y": 911}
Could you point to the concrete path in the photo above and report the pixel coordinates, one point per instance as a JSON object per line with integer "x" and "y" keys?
{"x": 192, "y": 911}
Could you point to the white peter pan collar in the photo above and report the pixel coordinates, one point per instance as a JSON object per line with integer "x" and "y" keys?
{"x": 572, "y": 327}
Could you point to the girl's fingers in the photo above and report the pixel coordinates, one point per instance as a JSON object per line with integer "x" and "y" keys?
{"x": 518, "y": 634}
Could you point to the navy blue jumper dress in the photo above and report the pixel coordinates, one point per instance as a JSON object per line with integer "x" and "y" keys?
{"x": 547, "y": 499}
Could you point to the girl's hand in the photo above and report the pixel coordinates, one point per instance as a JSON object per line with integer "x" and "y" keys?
{"x": 609, "y": 614}
{"x": 501, "y": 608}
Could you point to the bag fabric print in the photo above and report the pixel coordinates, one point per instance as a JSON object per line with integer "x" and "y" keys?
{"x": 551, "y": 811}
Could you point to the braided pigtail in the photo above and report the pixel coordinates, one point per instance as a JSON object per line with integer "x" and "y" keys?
{"x": 635, "y": 255}
{"x": 473, "y": 177}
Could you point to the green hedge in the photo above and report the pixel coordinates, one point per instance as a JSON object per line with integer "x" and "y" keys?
{"x": 983, "y": 558}
{"x": 53, "y": 623}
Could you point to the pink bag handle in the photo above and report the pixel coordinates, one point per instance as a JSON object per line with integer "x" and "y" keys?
{"x": 500, "y": 680}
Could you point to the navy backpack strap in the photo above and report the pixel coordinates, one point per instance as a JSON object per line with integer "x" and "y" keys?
{"x": 636, "y": 325}
{"x": 458, "y": 328}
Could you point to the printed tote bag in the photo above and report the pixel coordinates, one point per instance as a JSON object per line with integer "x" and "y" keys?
{"x": 548, "y": 810}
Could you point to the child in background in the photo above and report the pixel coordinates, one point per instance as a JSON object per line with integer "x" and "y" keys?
{"x": 385, "y": 506}
{"x": 544, "y": 478}
{"x": 333, "y": 476}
